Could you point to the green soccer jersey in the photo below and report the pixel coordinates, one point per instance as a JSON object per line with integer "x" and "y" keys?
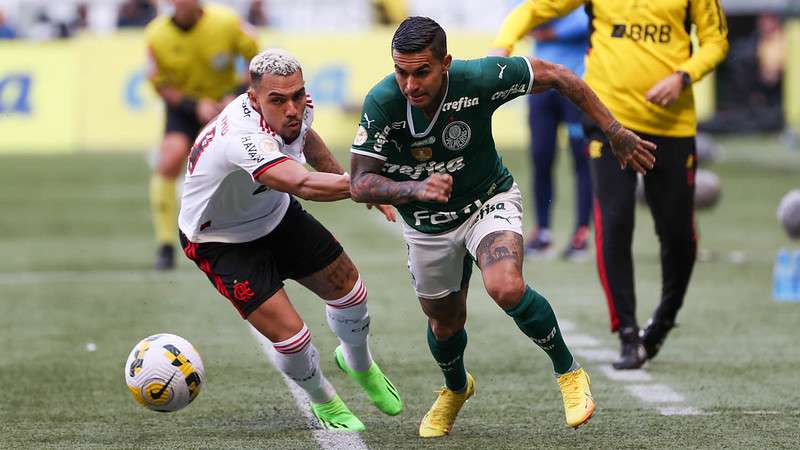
{"x": 457, "y": 140}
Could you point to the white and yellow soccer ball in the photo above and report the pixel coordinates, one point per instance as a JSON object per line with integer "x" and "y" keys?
{"x": 164, "y": 372}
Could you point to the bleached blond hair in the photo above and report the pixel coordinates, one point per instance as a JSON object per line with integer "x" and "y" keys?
{"x": 273, "y": 61}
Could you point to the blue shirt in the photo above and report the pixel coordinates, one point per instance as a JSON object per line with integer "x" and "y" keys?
{"x": 572, "y": 41}
{"x": 7, "y": 32}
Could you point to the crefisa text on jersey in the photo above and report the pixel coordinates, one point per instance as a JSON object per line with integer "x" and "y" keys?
{"x": 458, "y": 105}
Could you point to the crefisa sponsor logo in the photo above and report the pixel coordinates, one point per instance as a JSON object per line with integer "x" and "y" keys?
{"x": 517, "y": 88}
{"x": 428, "y": 168}
{"x": 458, "y": 105}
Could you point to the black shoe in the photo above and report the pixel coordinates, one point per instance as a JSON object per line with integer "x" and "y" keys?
{"x": 633, "y": 354}
{"x": 654, "y": 334}
{"x": 165, "y": 258}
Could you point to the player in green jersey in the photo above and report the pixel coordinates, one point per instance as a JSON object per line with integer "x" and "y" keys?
{"x": 424, "y": 143}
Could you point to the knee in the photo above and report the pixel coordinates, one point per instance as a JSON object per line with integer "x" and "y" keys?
{"x": 506, "y": 291}
{"x": 445, "y": 328}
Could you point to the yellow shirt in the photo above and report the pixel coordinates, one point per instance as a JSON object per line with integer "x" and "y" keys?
{"x": 634, "y": 45}
{"x": 200, "y": 61}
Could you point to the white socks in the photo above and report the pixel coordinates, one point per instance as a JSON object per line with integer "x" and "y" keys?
{"x": 299, "y": 360}
{"x": 348, "y": 318}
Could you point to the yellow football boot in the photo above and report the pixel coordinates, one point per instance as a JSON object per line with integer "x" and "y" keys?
{"x": 578, "y": 402}
{"x": 440, "y": 418}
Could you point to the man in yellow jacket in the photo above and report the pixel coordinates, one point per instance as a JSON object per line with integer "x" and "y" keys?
{"x": 192, "y": 55}
{"x": 641, "y": 64}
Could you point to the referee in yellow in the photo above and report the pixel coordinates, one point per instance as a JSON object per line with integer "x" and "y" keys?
{"x": 641, "y": 64}
{"x": 192, "y": 55}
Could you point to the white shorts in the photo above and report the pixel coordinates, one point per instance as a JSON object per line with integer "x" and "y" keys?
{"x": 439, "y": 262}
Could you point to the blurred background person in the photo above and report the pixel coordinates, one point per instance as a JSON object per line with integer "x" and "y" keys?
{"x": 755, "y": 71}
{"x": 6, "y": 30}
{"x": 642, "y": 67}
{"x": 562, "y": 41}
{"x": 390, "y": 12}
{"x": 256, "y": 15}
{"x": 192, "y": 67}
{"x": 136, "y": 13}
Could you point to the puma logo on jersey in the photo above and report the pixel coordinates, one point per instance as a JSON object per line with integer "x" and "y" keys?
{"x": 504, "y": 218}
{"x": 502, "y": 69}
{"x": 369, "y": 122}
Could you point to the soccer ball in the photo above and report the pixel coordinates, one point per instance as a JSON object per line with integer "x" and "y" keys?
{"x": 789, "y": 213}
{"x": 164, "y": 372}
{"x": 707, "y": 189}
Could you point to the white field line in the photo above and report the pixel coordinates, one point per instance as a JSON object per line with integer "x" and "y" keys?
{"x": 327, "y": 440}
{"x": 599, "y": 355}
{"x": 581, "y": 340}
{"x": 625, "y": 375}
{"x": 681, "y": 411}
{"x": 655, "y": 393}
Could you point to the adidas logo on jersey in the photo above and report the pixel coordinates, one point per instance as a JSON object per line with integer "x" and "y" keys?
{"x": 458, "y": 105}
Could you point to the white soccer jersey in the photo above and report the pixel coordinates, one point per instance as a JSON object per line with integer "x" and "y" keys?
{"x": 222, "y": 199}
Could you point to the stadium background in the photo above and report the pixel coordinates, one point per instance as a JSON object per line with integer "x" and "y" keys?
{"x": 77, "y": 125}
{"x": 90, "y": 92}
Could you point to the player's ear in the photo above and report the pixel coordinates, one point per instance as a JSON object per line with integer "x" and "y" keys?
{"x": 446, "y": 62}
{"x": 251, "y": 94}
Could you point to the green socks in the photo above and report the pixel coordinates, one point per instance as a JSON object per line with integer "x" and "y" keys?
{"x": 449, "y": 354}
{"x": 534, "y": 316}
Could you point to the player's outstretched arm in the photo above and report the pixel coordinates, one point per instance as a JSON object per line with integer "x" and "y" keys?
{"x": 367, "y": 186}
{"x": 319, "y": 156}
{"x": 291, "y": 177}
{"x": 628, "y": 148}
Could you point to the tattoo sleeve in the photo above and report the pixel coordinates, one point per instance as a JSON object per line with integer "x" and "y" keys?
{"x": 555, "y": 76}
{"x": 367, "y": 186}
{"x": 318, "y": 155}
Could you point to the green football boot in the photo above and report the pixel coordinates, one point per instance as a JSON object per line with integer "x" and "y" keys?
{"x": 336, "y": 416}
{"x": 380, "y": 390}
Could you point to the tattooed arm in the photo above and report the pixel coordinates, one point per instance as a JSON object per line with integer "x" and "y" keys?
{"x": 318, "y": 155}
{"x": 627, "y": 146}
{"x": 368, "y": 186}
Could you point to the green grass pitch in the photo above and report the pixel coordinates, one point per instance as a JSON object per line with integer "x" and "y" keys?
{"x": 76, "y": 249}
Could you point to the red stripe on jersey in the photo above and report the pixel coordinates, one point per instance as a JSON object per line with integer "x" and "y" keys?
{"x": 266, "y": 166}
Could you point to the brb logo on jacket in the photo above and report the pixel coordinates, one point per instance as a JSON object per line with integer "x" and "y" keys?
{"x": 643, "y": 32}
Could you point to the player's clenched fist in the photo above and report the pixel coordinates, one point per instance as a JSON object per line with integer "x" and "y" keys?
{"x": 435, "y": 188}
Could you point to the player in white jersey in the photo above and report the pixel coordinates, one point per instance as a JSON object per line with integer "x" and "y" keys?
{"x": 240, "y": 224}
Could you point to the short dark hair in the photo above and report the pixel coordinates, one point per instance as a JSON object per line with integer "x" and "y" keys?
{"x": 416, "y": 33}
